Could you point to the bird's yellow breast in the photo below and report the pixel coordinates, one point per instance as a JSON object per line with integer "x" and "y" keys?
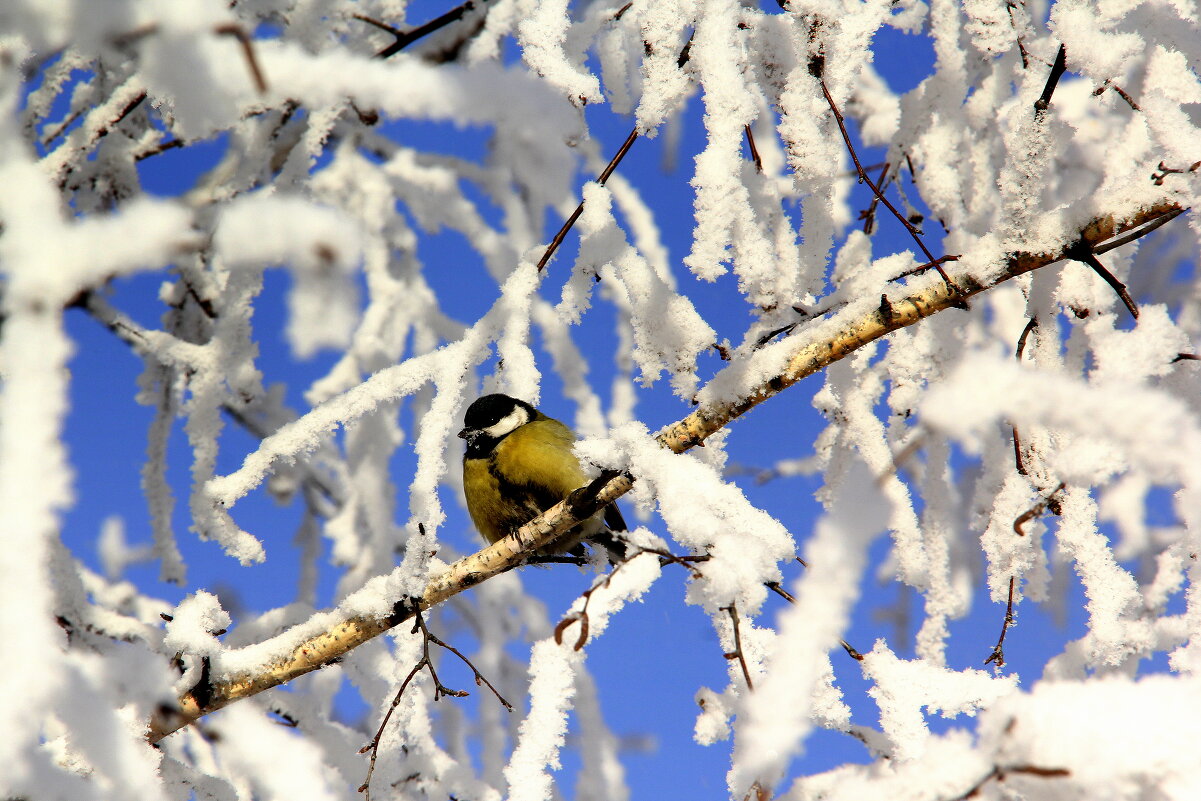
{"x": 527, "y": 472}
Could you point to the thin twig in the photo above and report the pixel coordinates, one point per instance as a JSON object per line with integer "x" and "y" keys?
{"x": 158, "y": 149}
{"x": 1037, "y": 509}
{"x": 868, "y": 215}
{"x": 775, "y": 587}
{"x": 1100, "y": 90}
{"x": 923, "y": 267}
{"x": 575, "y": 215}
{"x": 252, "y": 63}
{"x": 1081, "y": 252}
{"x": 998, "y": 650}
{"x": 737, "y": 652}
{"x": 1031, "y": 326}
{"x": 863, "y": 177}
{"x": 1011, "y": 7}
{"x": 750, "y": 141}
{"x": 665, "y": 558}
{"x": 999, "y": 772}
{"x": 1019, "y": 462}
{"x": 406, "y": 38}
{"x": 1057, "y": 70}
{"x": 681, "y": 60}
{"x": 1139, "y": 232}
{"x": 1165, "y": 171}
{"x": 427, "y": 663}
{"x": 581, "y": 616}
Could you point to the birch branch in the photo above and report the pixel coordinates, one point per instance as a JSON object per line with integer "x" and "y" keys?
{"x": 808, "y": 356}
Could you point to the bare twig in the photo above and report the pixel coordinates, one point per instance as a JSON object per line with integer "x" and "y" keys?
{"x": 868, "y": 215}
{"x": 1100, "y": 90}
{"x": 604, "y": 176}
{"x": 927, "y": 266}
{"x": 425, "y": 663}
{"x": 1019, "y": 462}
{"x": 1057, "y": 70}
{"x": 750, "y": 141}
{"x": 1082, "y": 253}
{"x": 688, "y": 562}
{"x": 1011, "y": 6}
{"x": 1037, "y": 509}
{"x": 1031, "y": 326}
{"x": 1165, "y": 171}
{"x": 406, "y": 38}
{"x": 737, "y": 652}
{"x": 999, "y": 772}
{"x": 863, "y": 178}
{"x": 575, "y": 215}
{"x": 775, "y": 587}
{"x": 998, "y": 650}
{"x": 581, "y": 616}
{"x": 252, "y": 63}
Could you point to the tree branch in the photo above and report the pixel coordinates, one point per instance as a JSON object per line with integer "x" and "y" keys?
{"x": 853, "y": 327}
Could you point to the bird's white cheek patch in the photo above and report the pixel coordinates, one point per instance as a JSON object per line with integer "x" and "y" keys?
{"x": 510, "y": 422}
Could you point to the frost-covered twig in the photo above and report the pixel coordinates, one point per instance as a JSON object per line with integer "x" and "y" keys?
{"x": 783, "y": 363}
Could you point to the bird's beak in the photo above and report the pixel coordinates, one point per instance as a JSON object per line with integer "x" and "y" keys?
{"x": 466, "y": 434}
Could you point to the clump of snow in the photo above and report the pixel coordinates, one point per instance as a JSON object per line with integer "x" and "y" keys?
{"x": 703, "y": 513}
{"x": 904, "y": 688}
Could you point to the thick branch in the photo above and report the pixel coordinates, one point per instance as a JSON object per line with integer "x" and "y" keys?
{"x": 859, "y": 329}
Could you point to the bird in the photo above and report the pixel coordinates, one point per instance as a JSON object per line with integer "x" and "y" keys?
{"x": 518, "y": 463}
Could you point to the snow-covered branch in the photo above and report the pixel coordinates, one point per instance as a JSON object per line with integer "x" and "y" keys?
{"x": 803, "y": 353}
{"x": 292, "y": 241}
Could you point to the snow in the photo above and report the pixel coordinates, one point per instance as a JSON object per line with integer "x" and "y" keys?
{"x": 797, "y": 689}
{"x": 904, "y": 688}
{"x": 347, "y": 257}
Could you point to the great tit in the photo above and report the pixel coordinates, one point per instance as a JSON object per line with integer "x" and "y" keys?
{"x": 517, "y": 465}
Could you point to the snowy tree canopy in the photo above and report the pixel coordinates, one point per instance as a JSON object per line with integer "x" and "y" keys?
{"x": 936, "y": 260}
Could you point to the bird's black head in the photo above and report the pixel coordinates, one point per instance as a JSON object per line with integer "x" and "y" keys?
{"x": 492, "y": 418}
